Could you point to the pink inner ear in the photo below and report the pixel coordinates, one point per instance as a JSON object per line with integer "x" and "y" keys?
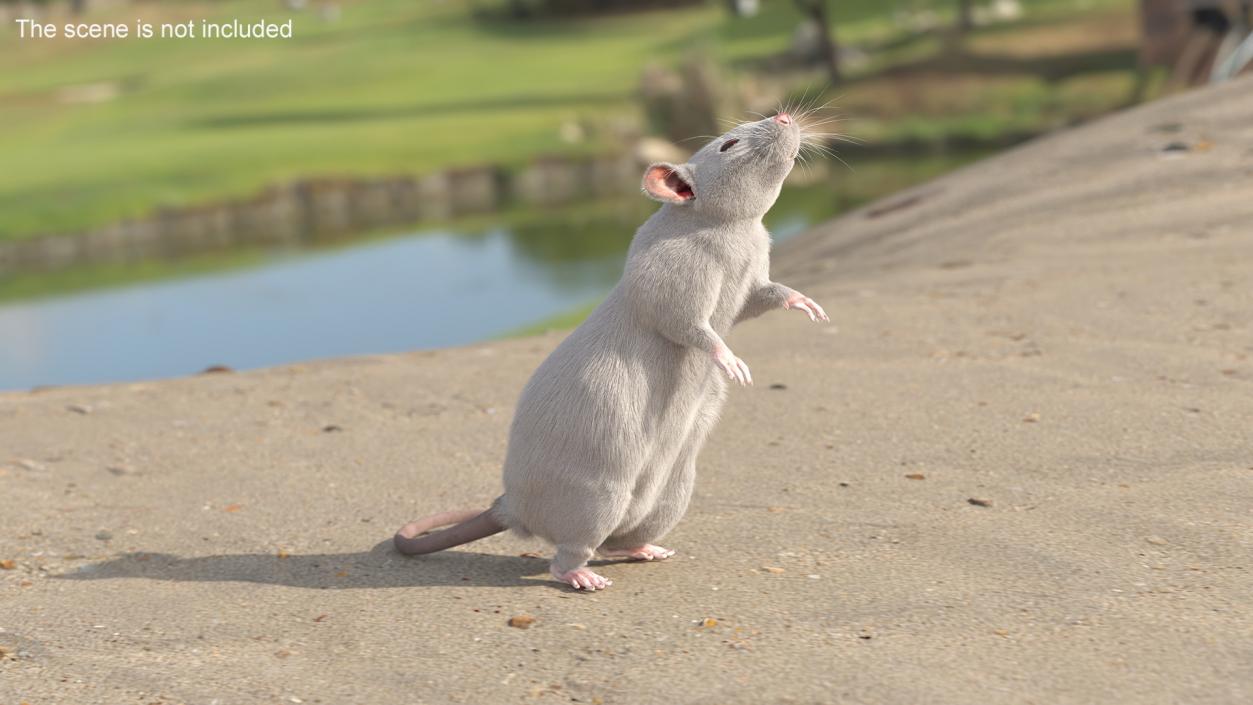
{"x": 666, "y": 184}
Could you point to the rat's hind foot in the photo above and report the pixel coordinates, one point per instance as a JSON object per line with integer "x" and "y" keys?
{"x": 582, "y": 579}
{"x": 647, "y": 552}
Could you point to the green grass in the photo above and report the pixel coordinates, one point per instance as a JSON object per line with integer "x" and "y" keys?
{"x": 394, "y": 86}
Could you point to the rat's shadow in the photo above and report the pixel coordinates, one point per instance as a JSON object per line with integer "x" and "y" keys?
{"x": 381, "y": 567}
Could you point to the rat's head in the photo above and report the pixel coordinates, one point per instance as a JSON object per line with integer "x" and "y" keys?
{"x": 736, "y": 176}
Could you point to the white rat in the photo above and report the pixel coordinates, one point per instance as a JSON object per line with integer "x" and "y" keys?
{"x": 602, "y": 451}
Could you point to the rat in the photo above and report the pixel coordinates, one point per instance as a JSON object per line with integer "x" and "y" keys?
{"x": 603, "y": 445}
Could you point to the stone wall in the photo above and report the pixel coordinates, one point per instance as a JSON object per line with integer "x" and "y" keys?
{"x": 319, "y": 209}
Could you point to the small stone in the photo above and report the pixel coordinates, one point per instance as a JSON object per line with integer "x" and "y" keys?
{"x": 773, "y": 570}
{"x": 1156, "y": 540}
{"x": 8, "y": 564}
{"x": 1031, "y": 418}
{"x": 83, "y": 409}
{"x": 119, "y": 470}
{"x": 708, "y": 622}
{"x": 521, "y": 621}
{"x": 332, "y": 428}
{"x": 980, "y": 502}
{"x": 778, "y": 386}
{"x": 104, "y": 535}
{"x": 915, "y": 476}
{"x": 28, "y": 464}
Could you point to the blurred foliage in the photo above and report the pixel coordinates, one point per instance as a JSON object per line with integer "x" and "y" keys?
{"x": 94, "y": 132}
{"x": 529, "y": 9}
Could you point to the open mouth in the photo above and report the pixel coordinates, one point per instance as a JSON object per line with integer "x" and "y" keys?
{"x": 679, "y": 186}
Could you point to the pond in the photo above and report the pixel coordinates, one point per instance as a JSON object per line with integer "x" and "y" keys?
{"x": 432, "y": 287}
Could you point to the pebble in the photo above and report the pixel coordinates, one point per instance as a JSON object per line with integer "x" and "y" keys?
{"x": 980, "y": 502}
{"x": 83, "y": 409}
{"x": 1156, "y": 540}
{"x": 521, "y": 621}
{"x": 104, "y": 535}
{"x": 915, "y": 476}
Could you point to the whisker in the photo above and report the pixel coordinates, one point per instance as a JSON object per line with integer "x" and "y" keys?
{"x": 833, "y": 137}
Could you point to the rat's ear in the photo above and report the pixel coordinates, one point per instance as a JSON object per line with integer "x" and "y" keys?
{"x": 668, "y": 183}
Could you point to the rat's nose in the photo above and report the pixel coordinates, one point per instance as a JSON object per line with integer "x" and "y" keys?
{"x": 783, "y": 119}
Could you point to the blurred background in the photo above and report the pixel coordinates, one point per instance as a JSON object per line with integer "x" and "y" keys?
{"x": 404, "y": 174}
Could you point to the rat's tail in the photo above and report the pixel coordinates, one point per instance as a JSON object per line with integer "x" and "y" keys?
{"x": 471, "y": 525}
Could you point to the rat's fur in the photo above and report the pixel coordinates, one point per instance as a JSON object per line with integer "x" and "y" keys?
{"x": 602, "y": 451}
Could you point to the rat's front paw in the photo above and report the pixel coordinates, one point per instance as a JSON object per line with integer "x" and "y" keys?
{"x": 733, "y": 366}
{"x": 806, "y": 304}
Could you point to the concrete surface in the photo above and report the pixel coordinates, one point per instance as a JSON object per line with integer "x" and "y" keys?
{"x": 1063, "y": 332}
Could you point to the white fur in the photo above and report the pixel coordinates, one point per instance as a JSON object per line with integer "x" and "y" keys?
{"x": 602, "y": 452}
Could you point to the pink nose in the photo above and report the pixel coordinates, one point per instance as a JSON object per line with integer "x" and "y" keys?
{"x": 783, "y": 119}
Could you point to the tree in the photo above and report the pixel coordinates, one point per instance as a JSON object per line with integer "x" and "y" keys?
{"x": 816, "y": 10}
{"x": 965, "y": 15}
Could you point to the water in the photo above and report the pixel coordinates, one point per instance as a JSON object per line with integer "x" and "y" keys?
{"x": 424, "y": 289}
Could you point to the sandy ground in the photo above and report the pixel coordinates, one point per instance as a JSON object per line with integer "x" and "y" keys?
{"x": 1063, "y": 332}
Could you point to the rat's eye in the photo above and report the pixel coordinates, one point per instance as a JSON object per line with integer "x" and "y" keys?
{"x": 727, "y": 145}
